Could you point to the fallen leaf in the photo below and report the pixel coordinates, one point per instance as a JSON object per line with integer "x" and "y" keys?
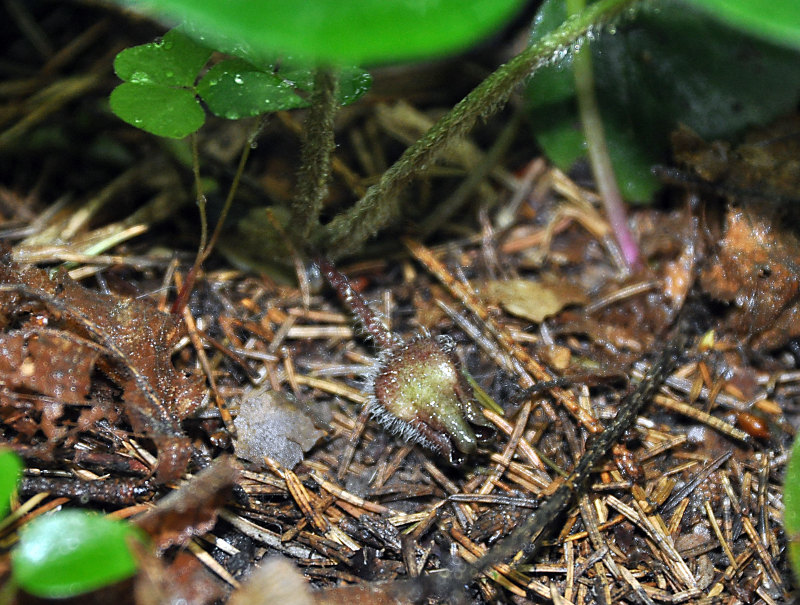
{"x": 47, "y": 362}
{"x": 532, "y": 300}
{"x": 271, "y": 424}
{"x": 192, "y": 509}
{"x": 136, "y": 341}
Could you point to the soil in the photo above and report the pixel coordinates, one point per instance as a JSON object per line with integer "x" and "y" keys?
{"x": 232, "y": 429}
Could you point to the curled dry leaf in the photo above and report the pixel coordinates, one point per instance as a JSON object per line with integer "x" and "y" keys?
{"x": 47, "y": 362}
{"x": 533, "y": 300}
{"x": 271, "y": 424}
{"x": 192, "y": 509}
{"x": 136, "y": 340}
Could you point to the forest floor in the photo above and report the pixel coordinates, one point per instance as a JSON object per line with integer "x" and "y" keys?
{"x": 116, "y": 397}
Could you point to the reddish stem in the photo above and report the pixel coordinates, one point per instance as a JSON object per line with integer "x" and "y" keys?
{"x": 368, "y": 319}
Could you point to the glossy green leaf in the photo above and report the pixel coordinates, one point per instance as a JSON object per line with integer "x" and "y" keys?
{"x": 791, "y": 501}
{"x": 349, "y": 31}
{"x": 236, "y": 89}
{"x": 776, "y": 20}
{"x": 10, "y": 472}
{"x": 175, "y": 60}
{"x": 71, "y": 552}
{"x": 354, "y": 83}
{"x": 160, "y": 110}
{"x": 671, "y": 66}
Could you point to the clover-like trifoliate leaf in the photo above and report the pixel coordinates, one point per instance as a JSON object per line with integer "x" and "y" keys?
{"x": 175, "y": 60}
{"x": 160, "y": 110}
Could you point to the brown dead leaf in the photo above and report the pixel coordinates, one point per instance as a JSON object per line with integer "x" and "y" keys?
{"x": 47, "y": 362}
{"x": 533, "y": 300}
{"x": 277, "y": 582}
{"x": 192, "y": 509}
{"x": 136, "y": 333}
{"x": 137, "y": 341}
{"x": 756, "y": 268}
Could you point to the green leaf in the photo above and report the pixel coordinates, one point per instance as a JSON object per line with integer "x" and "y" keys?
{"x": 670, "y": 66}
{"x": 776, "y": 20}
{"x": 160, "y": 110}
{"x": 236, "y": 89}
{"x": 791, "y": 501}
{"x": 173, "y": 61}
{"x": 10, "y": 472}
{"x": 354, "y": 83}
{"x": 71, "y": 552}
{"x": 354, "y": 31}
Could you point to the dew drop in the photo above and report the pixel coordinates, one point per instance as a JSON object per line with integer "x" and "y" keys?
{"x": 140, "y": 77}
{"x": 238, "y": 79}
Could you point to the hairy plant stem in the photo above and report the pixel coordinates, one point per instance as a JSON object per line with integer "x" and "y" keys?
{"x": 599, "y": 157}
{"x": 461, "y": 195}
{"x": 347, "y": 232}
{"x": 315, "y": 165}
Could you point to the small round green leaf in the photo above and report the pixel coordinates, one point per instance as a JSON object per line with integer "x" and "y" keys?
{"x": 159, "y": 110}
{"x": 791, "y": 502}
{"x": 236, "y": 89}
{"x": 71, "y": 552}
{"x": 349, "y": 31}
{"x": 775, "y": 20}
{"x": 173, "y": 61}
{"x": 10, "y": 472}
